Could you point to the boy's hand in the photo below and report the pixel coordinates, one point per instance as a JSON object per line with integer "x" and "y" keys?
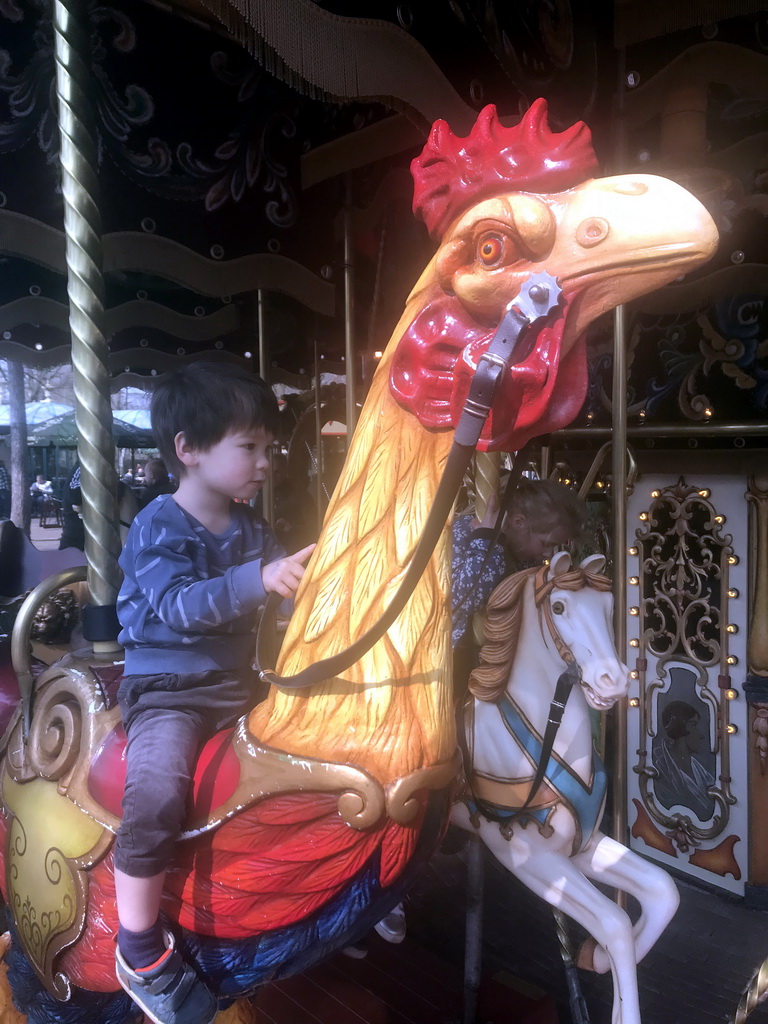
{"x": 284, "y": 575}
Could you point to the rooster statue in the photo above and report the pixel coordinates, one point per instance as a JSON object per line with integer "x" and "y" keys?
{"x": 311, "y": 819}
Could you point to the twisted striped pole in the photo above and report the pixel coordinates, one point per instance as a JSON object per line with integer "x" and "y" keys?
{"x": 755, "y": 993}
{"x": 579, "y": 1012}
{"x": 82, "y": 225}
{"x": 487, "y": 465}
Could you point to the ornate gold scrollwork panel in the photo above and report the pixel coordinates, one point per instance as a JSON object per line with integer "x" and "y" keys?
{"x": 684, "y": 647}
{"x": 50, "y": 842}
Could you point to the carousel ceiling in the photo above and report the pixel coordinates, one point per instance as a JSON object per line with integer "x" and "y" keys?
{"x": 231, "y": 134}
{"x": 221, "y": 171}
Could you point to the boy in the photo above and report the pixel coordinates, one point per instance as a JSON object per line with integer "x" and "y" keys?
{"x": 197, "y": 566}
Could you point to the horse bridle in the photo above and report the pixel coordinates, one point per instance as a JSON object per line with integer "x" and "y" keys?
{"x": 565, "y": 683}
{"x": 541, "y": 589}
{"x": 538, "y": 299}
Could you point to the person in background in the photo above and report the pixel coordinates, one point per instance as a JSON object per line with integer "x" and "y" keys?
{"x": 544, "y": 515}
{"x": 40, "y": 489}
{"x": 156, "y": 482}
{"x": 72, "y": 530}
{"x": 40, "y": 485}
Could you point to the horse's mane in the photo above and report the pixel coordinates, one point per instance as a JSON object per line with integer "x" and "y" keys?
{"x": 504, "y": 614}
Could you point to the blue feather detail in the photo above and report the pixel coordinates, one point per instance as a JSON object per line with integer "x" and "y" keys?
{"x": 234, "y": 967}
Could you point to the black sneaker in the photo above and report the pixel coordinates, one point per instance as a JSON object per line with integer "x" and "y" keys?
{"x": 170, "y": 993}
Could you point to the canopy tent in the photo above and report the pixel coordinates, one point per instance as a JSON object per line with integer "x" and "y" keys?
{"x": 133, "y": 417}
{"x": 36, "y": 412}
{"x": 62, "y": 431}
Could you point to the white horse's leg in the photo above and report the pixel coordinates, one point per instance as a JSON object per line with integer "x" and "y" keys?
{"x": 555, "y": 878}
{"x": 608, "y": 861}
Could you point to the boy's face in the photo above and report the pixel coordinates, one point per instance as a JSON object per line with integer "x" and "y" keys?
{"x": 533, "y": 543}
{"x": 237, "y": 466}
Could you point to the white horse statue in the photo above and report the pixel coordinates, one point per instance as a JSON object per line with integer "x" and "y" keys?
{"x": 540, "y": 622}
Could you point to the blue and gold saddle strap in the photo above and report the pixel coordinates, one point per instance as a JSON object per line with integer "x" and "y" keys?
{"x": 585, "y": 801}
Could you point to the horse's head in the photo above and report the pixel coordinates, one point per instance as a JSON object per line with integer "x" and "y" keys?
{"x": 578, "y": 605}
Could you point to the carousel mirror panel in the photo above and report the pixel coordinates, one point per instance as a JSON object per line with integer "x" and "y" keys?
{"x": 687, "y": 624}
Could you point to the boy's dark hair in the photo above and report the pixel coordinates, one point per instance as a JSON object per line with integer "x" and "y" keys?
{"x": 207, "y": 401}
{"x": 548, "y": 502}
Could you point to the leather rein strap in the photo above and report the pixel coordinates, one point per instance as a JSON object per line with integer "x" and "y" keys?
{"x": 538, "y": 299}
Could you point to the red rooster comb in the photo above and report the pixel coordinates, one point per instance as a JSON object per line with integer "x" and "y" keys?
{"x": 451, "y": 173}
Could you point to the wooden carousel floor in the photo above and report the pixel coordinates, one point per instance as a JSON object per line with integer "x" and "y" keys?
{"x": 404, "y": 984}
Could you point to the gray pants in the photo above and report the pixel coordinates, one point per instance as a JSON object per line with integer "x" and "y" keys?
{"x": 167, "y": 719}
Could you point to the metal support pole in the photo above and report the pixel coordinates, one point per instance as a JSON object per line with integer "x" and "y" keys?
{"x": 546, "y": 461}
{"x": 82, "y": 225}
{"x": 619, "y": 555}
{"x": 319, "y": 468}
{"x": 349, "y": 312}
{"x": 579, "y": 1012}
{"x": 267, "y": 491}
{"x": 756, "y": 692}
{"x": 487, "y": 474}
{"x": 473, "y": 936}
{"x": 619, "y": 503}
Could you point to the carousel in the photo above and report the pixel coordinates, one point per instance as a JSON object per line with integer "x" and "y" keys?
{"x": 473, "y": 247}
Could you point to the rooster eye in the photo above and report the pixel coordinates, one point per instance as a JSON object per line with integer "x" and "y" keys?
{"x": 491, "y": 250}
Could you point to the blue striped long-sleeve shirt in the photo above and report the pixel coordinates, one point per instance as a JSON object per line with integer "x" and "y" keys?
{"x": 189, "y": 597}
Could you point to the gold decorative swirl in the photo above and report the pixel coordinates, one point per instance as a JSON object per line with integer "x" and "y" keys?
{"x": 54, "y": 739}
{"x": 402, "y": 804}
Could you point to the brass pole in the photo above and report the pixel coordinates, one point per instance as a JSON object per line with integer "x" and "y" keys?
{"x": 619, "y": 555}
{"x": 754, "y": 994}
{"x": 546, "y": 461}
{"x": 473, "y": 934}
{"x": 487, "y": 466}
{"x": 619, "y": 502}
{"x": 319, "y": 469}
{"x": 349, "y": 312}
{"x": 267, "y": 491}
{"x": 661, "y": 430}
{"x": 85, "y": 286}
{"x": 756, "y": 692}
{"x": 579, "y": 1012}
{"x": 757, "y": 644}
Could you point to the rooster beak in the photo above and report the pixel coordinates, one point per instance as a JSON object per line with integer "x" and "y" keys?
{"x": 625, "y": 236}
